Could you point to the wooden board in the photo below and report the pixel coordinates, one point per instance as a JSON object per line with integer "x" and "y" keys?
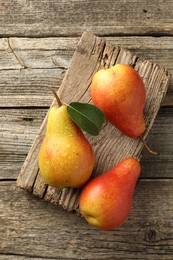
{"x": 70, "y": 18}
{"x": 30, "y": 65}
{"x": 93, "y": 53}
{"x": 33, "y": 229}
{"x": 20, "y": 126}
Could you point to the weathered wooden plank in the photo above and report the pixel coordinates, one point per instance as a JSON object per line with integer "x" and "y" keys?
{"x": 25, "y": 87}
{"x": 34, "y": 228}
{"x": 8, "y": 59}
{"x": 20, "y": 126}
{"x": 22, "y": 257}
{"x": 20, "y": 53}
{"x": 35, "y": 18}
{"x": 57, "y": 51}
{"x": 91, "y": 54}
{"x": 26, "y": 63}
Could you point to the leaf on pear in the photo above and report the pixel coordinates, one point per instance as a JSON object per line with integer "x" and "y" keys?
{"x": 87, "y": 116}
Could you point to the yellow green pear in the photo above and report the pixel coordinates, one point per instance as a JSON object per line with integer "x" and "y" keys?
{"x": 66, "y": 157}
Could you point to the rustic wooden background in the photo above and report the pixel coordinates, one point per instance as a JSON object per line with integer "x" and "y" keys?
{"x": 37, "y": 41}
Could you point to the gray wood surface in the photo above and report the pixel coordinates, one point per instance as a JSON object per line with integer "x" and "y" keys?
{"x": 37, "y": 63}
{"x": 33, "y": 228}
{"x": 37, "y": 41}
{"x": 72, "y": 17}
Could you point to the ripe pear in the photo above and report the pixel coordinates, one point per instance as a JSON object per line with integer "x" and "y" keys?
{"x": 66, "y": 157}
{"x": 120, "y": 93}
{"x": 106, "y": 200}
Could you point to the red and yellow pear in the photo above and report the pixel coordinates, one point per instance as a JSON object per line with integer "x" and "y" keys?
{"x": 106, "y": 200}
{"x": 120, "y": 93}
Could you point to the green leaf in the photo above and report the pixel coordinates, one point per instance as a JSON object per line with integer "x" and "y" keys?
{"x": 87, "y": 116}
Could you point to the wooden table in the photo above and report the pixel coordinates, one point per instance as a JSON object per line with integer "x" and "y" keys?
{"x": 38, "y": 39}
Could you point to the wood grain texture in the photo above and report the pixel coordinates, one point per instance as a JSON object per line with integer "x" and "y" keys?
{"x": 91, "y": 54}
{"x": 33, "y": 228}
{"x": 25, "y": 88}
{"x": 28, "y": 66}
{"x": 37, "y": 41}
{"x": 18, "y": 128}
{"x": 62, "y": 18}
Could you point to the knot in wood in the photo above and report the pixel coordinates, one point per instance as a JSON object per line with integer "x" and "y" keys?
{"x": 151, "y": 235}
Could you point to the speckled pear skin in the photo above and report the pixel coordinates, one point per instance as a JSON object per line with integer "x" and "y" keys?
{"x": 106, "y": 200}
{"x": 66, "y": 158}
{"x": 120, "y": 92}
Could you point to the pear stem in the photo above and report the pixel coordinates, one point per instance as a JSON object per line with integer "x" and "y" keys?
{"x": 147, "y": 147}
{"x": 56, "y": 96}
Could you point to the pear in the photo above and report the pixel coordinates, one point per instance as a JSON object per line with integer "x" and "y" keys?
{"x": 106, "y": 200}
{"x": 66, "y": 157}
{"x": 120, "y": 93}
